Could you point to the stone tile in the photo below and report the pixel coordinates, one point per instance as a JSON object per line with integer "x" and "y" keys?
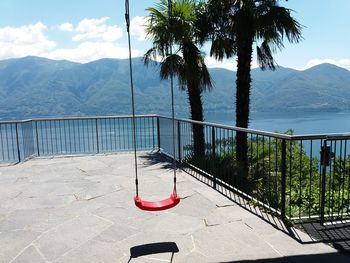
{"x": 12, "y": 243}
{"x": 222, "y": 215}
{"x": 36, "y": 202}
{"x": 93, "y": 251}
{"x": 116, "y": 233}
{"x": 233, "y": 241}
{"x": 91, "y": 164}
{"x": 96, "y": 190}
{"x": 169, "y": 222}
{"x": 195, "y": 205}
{"x": 27, "y": 219}
{"x": 70, "y": 235}
{"x": 31, "y": 254}
{"x": 215, "y": 197}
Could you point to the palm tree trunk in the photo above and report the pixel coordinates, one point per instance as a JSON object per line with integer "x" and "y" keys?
{"x": 195, "y": 100}
{"x": 244, "y": 58}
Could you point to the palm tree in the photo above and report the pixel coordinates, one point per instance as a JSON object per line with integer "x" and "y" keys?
{"x": 187, "y": 62}
{"x": 235, "y": 27}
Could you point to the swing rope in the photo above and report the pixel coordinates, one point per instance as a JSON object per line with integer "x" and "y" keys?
{"x": 173, "y": 200}
{"x": 127, "y": 20}
{"x": 170, "y": 11}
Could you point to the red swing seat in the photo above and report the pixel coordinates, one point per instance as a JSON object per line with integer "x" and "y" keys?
{"x": 165, "y": 204}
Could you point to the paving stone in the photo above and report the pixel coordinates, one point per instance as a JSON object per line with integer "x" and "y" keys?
{"x": 213, "y": 196}
{"x": 28, "y": 219}
{"x": 236, "y": 241}
{"x": 115, "y": 233}
{"x": 96, "y": 190}
{"x": 36, "y": 202}
{"x": 122, "y": 215}
{"x": 31, "y": 254}
{"x": 93, "y": 251}
{"x": 70, "y": 235}
{"x": 12, "y": 243}
{"x": 169, "y": 222}
{"x": 222, "y": 215}
{"x": 195, "y": 205}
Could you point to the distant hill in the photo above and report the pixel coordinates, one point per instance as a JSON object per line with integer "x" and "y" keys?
{"x": 39, "y": 87}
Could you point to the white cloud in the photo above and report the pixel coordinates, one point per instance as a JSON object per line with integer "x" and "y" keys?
{"x": 66, "y": 27}
{"x": 97, "y": 40}
{"x": 24, "y": 41}
{"x": 90, "y": 51}
{"x": 137, "y": 27}
{"x": 97, "y": 29}
{"x": 227, "y": 64}
{"x": 344, "y": 62}
{"x": 230, "y": 64}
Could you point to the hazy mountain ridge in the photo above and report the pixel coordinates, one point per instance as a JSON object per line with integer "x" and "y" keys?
{"x": 39, "y": 87}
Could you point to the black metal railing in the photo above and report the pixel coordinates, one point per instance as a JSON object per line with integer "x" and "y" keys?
{"x": 66, "y": 136}
{"x": 9, "y": 142}
{"x": 285, "y": 172}
{"x": 299, "y": 177}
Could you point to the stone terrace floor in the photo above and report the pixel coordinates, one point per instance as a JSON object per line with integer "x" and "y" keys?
{"x": 80, "y": 209}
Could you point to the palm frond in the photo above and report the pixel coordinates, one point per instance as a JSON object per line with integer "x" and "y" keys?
{"x": 265, "y": 58}
{"x": 150, "y": 56}
{"x": 222, "y": 47}
{"x": 276, "y": 24}
{"x": 187, "y": 62}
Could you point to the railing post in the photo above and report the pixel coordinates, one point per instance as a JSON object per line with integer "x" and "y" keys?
{"x": 97, "y": 142}
{"x": 158, "y": 132}
{"x": 283, "y": 178}
{"x": 37, "y": 138}
{"x": 17, "y": 142}
{"x": 324, "y": 163}
{"x": 179, "y": 140}
{"x": 24, "y": 140}
{"x": 213, "y": 151}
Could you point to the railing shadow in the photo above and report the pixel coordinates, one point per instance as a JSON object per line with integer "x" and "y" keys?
{"x": 336, "y": 234}
{"x": 318, "y": 258}
{"x": 339, "y": 236}
{"x": 154, "y": 248}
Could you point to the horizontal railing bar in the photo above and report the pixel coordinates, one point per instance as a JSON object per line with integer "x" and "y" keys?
{"x": 9, "y": 122}
{"x": 96, "y": 117}
{"x": 79, "y": 118}
{"x": 258, "y": 132}
{"x": 25, "y": 121}
{"x": 329, "y": 136}
{"x": 318, "y": 216}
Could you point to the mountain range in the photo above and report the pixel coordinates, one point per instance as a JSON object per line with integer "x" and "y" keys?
{"x": 39, "y": 87}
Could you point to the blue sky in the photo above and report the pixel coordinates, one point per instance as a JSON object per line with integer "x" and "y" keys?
{"x": 86, "y": 30}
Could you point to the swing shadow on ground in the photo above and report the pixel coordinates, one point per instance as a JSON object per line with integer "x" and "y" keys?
{"x": 336, "y": 235}
{"x": 154, "y": 248}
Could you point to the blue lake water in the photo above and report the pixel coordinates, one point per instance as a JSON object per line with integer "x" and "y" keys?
{"x": 301, "y": 123}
